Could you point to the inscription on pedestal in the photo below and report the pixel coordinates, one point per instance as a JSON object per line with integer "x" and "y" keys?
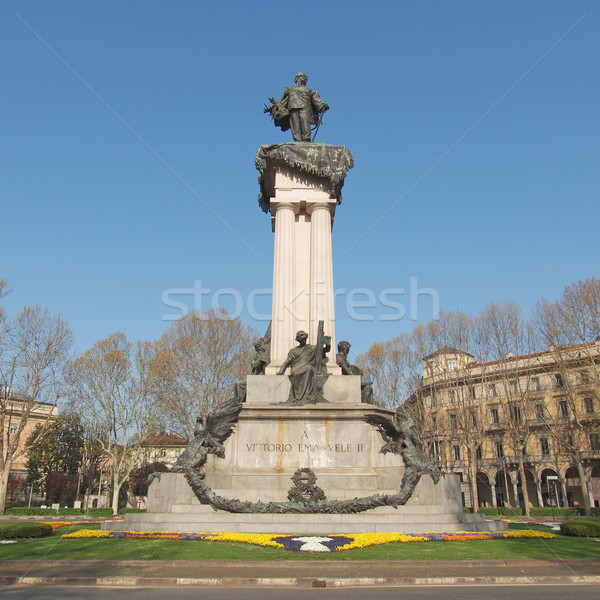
{"x": 302, "y": 447}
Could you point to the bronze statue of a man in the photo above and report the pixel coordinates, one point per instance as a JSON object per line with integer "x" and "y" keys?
{"x": 341, "y": 358}
{"x": 305, "y": 375}
{"x": 298, "y": 108}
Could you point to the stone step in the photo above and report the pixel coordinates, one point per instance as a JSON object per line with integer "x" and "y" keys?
{"x": 296, "y": 524}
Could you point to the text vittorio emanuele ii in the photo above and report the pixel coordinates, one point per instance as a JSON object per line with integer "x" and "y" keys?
{"x": 303, "y": 446}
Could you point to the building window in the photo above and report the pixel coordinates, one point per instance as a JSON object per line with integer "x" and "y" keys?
{"x": 177, "y": 453}
{"x": 540, "y": 411}
{"x": 513, "y": 386}
{"x": 492, "y": 390}
{"x": 479, "y": 453}
{"x": 584, "y": 376}
{"x": 452, "y": 397}
{"x": 162, "y": 453}
{"x": 433, "y": 398}
{"x": 515, "y": 413}
{"x": 544, "y": 446}
{"x": 558, "y": 381}
{"x": 498, "y": 449}
{"x": 451, "y": 366}
{"x": 453, "y": 419}
{"x": 474, "y": 393}
{"x": 588, "y": 404}
{"x": 495, "y": 415}
{"x": 474, "y": 419}
{"x": 434, "y": 421}
{"x": 14, "y": 427}
{"x": 563, "y": 408}
{"x": 437, "y": 449}
{"x": 456, "y": 452}
{"x": 536, "y": 386}
{"x": 594, "y": 442}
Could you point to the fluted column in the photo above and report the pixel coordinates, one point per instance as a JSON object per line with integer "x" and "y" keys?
{"x": 283, "y": 323}
{"x": 321, "y": 275}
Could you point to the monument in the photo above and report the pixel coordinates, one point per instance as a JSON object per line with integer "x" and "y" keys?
{"x": 300, "y": 448}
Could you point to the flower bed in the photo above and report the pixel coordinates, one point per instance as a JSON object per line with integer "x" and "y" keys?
{"x": 330, "y": 543}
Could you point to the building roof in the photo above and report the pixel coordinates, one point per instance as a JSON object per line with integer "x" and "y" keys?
{"x": 164, "y": 438}
{"x": 447, "y": 350}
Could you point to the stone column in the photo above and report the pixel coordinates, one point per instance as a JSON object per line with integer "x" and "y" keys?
{"x": 516, "y": 492}
{"x": 282, "y": 327}
{"x": 538, "y": 488}
{"x": 321, "y": 275}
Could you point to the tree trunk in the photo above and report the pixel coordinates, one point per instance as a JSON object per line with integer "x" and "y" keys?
{"x": 473, "y": 483}
{"x": 584, "y": 487}
{"x": 524, "y": 486}
{"x": 3, "y": 488}
{"x": 115, "y": 494}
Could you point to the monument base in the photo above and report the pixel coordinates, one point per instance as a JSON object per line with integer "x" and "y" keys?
{"x": 333, "y": 441}
{"x": 432, "y": 508}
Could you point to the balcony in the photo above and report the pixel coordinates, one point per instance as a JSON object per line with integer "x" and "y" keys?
{"x": 495, "y": 427}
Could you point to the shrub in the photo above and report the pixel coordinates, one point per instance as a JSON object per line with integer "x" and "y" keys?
{"x": 489, "y": 512}
{"x": 12, "y": 531}
{"x": 130, "y": 510}
{"x": 549, "y": 512}
{"x": 70, "y": 511}
{"x": 512, "y": 512}
{"x": 100, "y": 512}
{"x": 28, "y": 512}
{"x": 466, "y": 509}
{"x": 583, "y": 527}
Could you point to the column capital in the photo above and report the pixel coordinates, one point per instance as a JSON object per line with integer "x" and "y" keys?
{"x": 313, "y": 206}
{"x": 275, "y": 206}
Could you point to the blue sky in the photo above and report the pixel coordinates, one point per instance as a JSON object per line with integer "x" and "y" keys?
{"x": 129, "y": 131}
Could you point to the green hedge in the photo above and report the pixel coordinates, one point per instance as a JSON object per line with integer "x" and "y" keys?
{"x": 23, "y": 511}
{"x": 582, "y": 527}
{"x": 65, "y": 512}
{"x": 12, "y": 531}
{"x": 489, "y": 512}
{"x": 131, "y": 510}
{"x": 549, "y": 512}
{"x": 512, "y": 512}
{"x": 100, "y": 512}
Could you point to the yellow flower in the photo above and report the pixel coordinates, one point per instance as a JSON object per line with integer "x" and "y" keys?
{"x": 362, "y": 540}
{"x": 530, "y": 534}
{"x": 87, "y": 533}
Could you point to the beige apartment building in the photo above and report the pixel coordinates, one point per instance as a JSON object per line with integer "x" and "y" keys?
{"x": 15, "y": 406}
{"x": 520, "y": 429}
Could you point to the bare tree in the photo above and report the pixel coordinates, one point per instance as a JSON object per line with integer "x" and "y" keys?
{"x": 503, "y": 336}
{"x": 34, "y": 349}
{"x": 570, "y": 327}
{"x": 201, "y": 356}
{"x": 393, "y": 372}
{"x": 113, "y": 387}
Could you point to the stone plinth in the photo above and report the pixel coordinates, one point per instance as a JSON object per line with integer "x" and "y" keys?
{"x": 275, "y": 389}
{"x": 271, "y": 442}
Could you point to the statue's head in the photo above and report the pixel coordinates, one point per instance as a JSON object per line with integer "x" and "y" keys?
{"x": 344, "y": 346}
{"x": 301, "y": 78}
{"x": 301, "y": 336}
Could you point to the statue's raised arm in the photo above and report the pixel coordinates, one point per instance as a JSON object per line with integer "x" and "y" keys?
{"x": 298, "y": 109}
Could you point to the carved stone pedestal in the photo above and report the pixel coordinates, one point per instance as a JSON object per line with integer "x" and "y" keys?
{"x": 272, "y": 442}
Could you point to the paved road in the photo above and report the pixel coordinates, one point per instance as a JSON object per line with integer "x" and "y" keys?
{"x": 526, "y": 592}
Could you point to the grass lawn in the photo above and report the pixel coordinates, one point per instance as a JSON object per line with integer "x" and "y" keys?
{"x": 56, "y": 548}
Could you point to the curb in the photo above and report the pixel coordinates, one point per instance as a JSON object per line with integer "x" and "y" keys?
{"x": 299, "y": 582}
